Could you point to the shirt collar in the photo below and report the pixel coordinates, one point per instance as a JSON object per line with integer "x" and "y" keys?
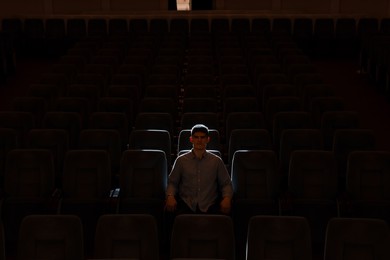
{"x": 205, "y": 154}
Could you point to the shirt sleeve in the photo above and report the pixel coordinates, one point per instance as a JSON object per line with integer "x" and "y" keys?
{"x": 174, "y": 178}
{"x": 225, "y": 183}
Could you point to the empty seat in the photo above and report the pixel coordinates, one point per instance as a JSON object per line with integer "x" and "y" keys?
{"x": 86, "y": 184}
{"x": 21, "y": 122}
{"x": 243, "y": 120}
{"x": 357, "y": 239}
{"x": 297, "y": 139}
{"x": 313, "y": 187}
{"x": 126, "y": 236}
{"x": 248, "y": 139}
{"x": 323, "y": 36}
{"x": 200, "y": 91}
{"x": 50, "y": 237}
{"x": 367, "y": 185}
{"x": 280, "y": 104}
{"x": 47, "y": 91}
{"x": 319, "y": 105}
{"x": 203, "y": 236}
{"x": 289, "y": 120}
{"x": 55, "y": 140}
{"x": 123, "y": 104}
{"x": 189, "y": 119}
{"x": 111, "y": 120}
{"x": 118, "y": 27}
{"x": 157, "y": 121}
{"x": 244, "y": 104}
{"x": 8, "y": 142}
{"x": 77, "y": 105}
{"x": 204, "y": 105}
{"x": 76, "y": 29}
{"x": 97, "y": 27}
{"x": 256, "y": 190}
{"x": 278, "y": 237}
{"x": 138, "y": 26}
{"x": 347, "y": 140}
{"x": 104, "y": 139}
{"x": 29, "y": 183}
{"x": 240, "y": 25}
{"x": 151, "y": 139}
{"x": 158, "y": 105}
{"x": 143, "y": 180}
{"x": 333, "y": 120}
{"x": 68, "y": 121}
{"x": 35, "y": 105}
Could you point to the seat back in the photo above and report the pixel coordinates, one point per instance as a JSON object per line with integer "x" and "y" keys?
{"x": 126, "y": 236}
{"x": 51, "y": 237}
{"x": 278, "y": 237}
{"x": 203, "y": 236}
{"x": 357, "y": 239}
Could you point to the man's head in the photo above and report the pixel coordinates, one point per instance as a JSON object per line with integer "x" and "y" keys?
{"x": 199, "y": 128}
{"x": 199, "y": 136}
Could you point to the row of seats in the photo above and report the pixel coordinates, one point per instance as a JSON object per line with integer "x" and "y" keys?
{"x": 199, "y": 237}
{"x": 81, "y": 27}
{"x": 61, "y": 134}
{"x": 313, "y": 188}
{"x": 37, "y": 35}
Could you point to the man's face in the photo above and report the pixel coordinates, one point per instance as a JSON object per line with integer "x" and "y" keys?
{"x": 199, "y": 140}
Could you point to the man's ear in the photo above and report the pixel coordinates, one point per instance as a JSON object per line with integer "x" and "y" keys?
{"x": 191, "y": 139}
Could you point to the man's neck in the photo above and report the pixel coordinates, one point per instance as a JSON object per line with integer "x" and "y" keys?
{"x": 199, "y": 153}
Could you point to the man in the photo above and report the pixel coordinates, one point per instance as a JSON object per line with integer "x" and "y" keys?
{"x": 199, "y": 181}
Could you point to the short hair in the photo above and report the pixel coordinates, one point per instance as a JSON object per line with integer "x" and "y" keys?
{"x": 200, "y": 128}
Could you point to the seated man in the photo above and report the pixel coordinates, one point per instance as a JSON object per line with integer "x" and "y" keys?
{"x": 199, "y": 181}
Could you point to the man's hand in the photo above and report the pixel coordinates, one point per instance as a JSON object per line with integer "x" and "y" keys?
{"x": 170, "y": 203}
{"x": 226, "y": 205}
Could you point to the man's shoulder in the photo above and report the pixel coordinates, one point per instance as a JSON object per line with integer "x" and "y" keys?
{"x": 185, "y": 155}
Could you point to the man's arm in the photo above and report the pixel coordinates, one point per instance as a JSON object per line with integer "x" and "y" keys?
{"x": 173, "y": 182}
{"x": 226, "y": 187}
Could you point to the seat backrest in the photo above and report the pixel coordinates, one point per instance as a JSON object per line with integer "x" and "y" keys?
{"x": 68, "y": 121}
{"x": 348, "y": 140}
{"x": 248, "y": 139}
{"x": 313, "y": 175}
{"x": 111, "y": 120}
{"x": 55, "y": 140}
{"x": 357, "y": 239}
{"x": 368, "y": 174}
{"x": 51, "y": 237}
{"x": 103, "y": 139}
{"x": 203, "y": 236}
{"x": 87, "y": 174}
{"x": 189, "y": 119}
{"x": 254, "y": 174}
{"x": 157, "y": 121}
{"x": 29, "y": 173}
{"x": 299, "y": 139}
{"x": 8, "y": 142}
{"x": 143, "y": 174}
{"x": 126, "y": 236}
{"x": 21, "y": 122}
{"x": 151, "y": 139}
{"x": 289, "y": 120}
{"x": 2, "y": 242}
{"x": 278, "y": 237}
{"x": 333, "y": 120}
